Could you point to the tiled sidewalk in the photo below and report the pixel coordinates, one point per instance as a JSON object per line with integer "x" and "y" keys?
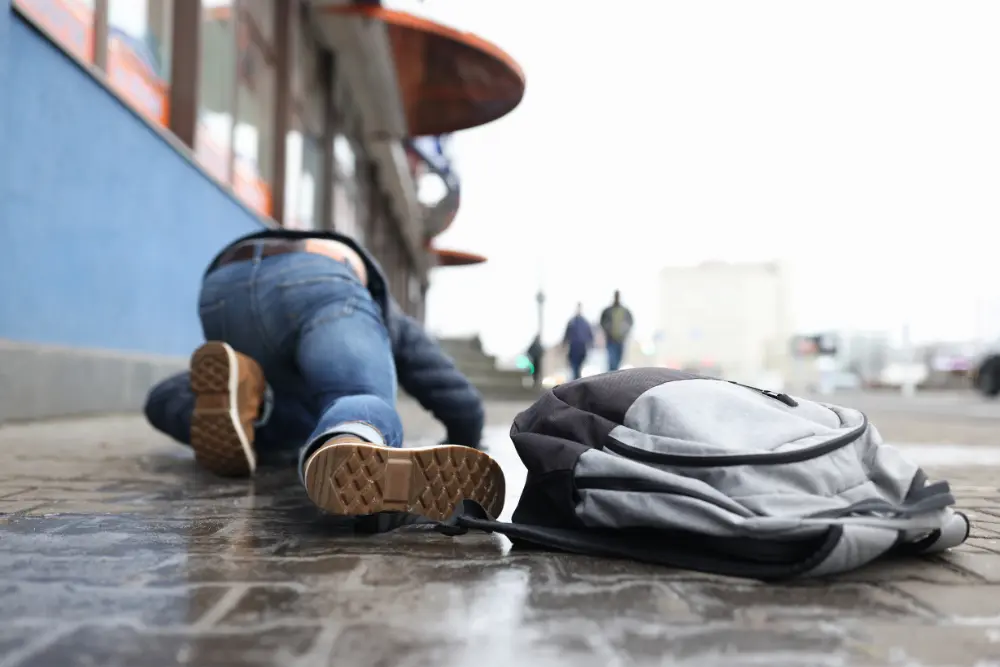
{"x": 115, "y": 550}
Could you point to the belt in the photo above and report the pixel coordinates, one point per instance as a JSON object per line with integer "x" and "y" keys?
{"x": 270, "y": 248}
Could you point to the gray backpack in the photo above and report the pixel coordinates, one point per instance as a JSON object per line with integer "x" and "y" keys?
{"x": 686, "y": 471}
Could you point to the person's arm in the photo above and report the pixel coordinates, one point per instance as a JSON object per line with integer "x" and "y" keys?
{"x": 427, "y": 374}
{"x": 605, "y": 320}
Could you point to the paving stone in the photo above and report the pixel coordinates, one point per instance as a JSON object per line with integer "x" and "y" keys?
{"x": 910, "y": 569}
{"x": 563, "y": 566}
{"x": 986, "y": 543}
{"x": 648, "y": 601}
{"x": 982, "y": 524}
{"x": 8, "y": 507}
{"x": 440, "y": 605}
{"x": 127, "y": 647}
{"x": 770, "y": 643}
{"x": 981, "y": 563}
{"x": 985, "y": 517}
{"x": 974, "y": 601}
{"x": 719, "y": 602}
{"x": 105, "y": 571}
{"x": 330, "y": 571}
{"x": 898, "y": 645}
{"x": 75, "y": 603}
{"x": 15, "y": 639}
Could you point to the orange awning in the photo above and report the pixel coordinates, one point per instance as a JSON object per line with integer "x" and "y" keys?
{"x": 449, "y": 80}
{"x": 456, "y": 257}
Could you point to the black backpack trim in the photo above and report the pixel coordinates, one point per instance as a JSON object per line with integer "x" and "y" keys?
{"x": 765, "y": 560}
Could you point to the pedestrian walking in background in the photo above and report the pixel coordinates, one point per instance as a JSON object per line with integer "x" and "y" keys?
{"x": 578, "y": 340}
{"x": 616, "y": 322}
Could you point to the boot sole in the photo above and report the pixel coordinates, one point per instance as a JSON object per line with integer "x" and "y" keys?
{"x": 222, "y": 442}
{"x": 357, "y": 479}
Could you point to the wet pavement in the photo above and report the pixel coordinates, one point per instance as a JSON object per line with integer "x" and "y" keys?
{"x": 116, "y": 550}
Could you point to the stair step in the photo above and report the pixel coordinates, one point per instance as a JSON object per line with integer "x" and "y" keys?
{"x": 480, "y": 368}
{"x": 497, "y": 381}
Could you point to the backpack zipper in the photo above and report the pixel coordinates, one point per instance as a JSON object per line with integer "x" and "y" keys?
{"x": 777, "y": 458}
{"x": 778, "y": 396}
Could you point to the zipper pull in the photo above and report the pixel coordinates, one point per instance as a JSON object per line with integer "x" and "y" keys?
{"x": 783, "y": 398}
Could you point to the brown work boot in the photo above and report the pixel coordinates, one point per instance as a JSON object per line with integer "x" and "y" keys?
{"x": 229, "y": 391}
{"x": 349, "y": 477}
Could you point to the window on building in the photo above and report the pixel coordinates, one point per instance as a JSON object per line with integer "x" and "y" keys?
{"x": 236, "y": 115}
{"x": 70, "y": 23}
{"x": 261, "y": 14}
{"x": 363, "y": 178}
{"x": 403, "y": 279}
{"x": 138, "y": 54}
{"x": 351, "y": 170}
{"x": 394, "y": 262}
{"x": 304, "y": 178}
{"x": 253, "y": 137}
{"x": 415, "y": 294}
{"x": 217, "y": 89}
{"x": 346, "y": 190}
{"x": 304, "y": 159}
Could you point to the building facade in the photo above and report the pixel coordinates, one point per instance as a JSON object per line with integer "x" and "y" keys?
{"x": 140, "y": 136}
{"x": 727, "y": 320}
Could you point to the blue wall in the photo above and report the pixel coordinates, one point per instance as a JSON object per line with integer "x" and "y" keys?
{"x": 105, "y": 229}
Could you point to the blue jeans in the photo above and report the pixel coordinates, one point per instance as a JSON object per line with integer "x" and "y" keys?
{"x": 321, "y": 341}
{"x": 615, "y": 351}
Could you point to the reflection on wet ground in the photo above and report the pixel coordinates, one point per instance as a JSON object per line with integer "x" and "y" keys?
{"x": 115, "y": 550}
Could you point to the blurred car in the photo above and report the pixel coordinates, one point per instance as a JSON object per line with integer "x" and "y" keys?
{"x": 985, "y": 374}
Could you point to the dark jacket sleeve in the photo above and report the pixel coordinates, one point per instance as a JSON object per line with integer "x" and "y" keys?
{"x": 427, "y": 374}
{"x": 606, "y": 320}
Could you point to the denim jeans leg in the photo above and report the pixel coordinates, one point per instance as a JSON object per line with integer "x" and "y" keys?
{"x": 170, "y": 404}
{"x": 615, "y": 351}
{"x": 345, "y": 357}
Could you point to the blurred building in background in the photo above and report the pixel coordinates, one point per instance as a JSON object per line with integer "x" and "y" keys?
{"x": 144, "y": 135}
{"x": 726, "y": 319}
{"x": 949, "y": 364}
{"x": 640, "y": 352}
{"x": 847, "y": 360}
{"x": 865, "y": 353}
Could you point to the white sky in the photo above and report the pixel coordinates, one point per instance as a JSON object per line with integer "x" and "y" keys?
{"x": 858, "y": 140}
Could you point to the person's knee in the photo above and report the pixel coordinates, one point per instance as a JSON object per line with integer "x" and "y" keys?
{"x": 363, "y": 408}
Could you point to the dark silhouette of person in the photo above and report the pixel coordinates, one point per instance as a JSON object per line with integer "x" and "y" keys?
{"x": 616, "y": 322}
{"x": 535, "y": 353}
{"x": 578, "y": 340}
